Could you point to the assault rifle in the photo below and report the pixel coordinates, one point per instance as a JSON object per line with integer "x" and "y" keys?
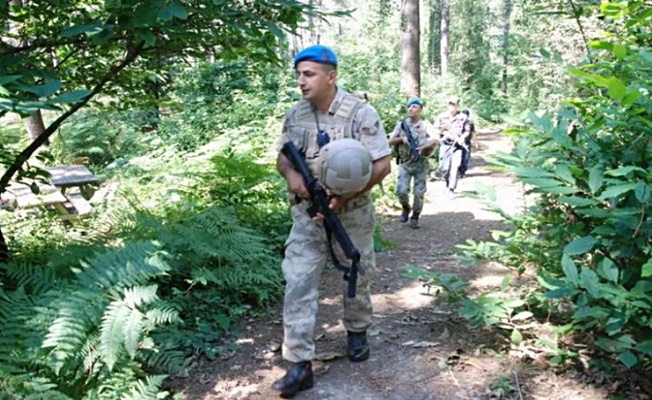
{"x": 411, "y": 142}
{"x": 332, "y": 223}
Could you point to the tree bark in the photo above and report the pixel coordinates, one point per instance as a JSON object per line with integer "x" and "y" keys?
{"x": 434, "y": 51}
{"x": 444, "y": 29}
{"x": 507, "y": 15}
{"x": 410, "y": 52}
{"x": 35, "y": 125}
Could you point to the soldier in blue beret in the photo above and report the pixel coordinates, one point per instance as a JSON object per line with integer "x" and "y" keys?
{"x": 413, "y": 164}
{"x": 324, "y": 115}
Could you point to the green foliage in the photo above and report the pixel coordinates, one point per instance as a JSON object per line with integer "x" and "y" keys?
{"x": 79, "y": 329}
{"x": 99, "y": 138}
{"x": 588, "y": 163}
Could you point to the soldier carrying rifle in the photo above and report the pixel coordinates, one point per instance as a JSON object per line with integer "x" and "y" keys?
{"x": 412, "y": 138}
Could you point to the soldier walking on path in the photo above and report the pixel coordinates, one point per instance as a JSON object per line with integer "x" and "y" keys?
{"x": 450, "y": 125}
{"x": 412, "y": 138}
{"x": 327, "y": 115}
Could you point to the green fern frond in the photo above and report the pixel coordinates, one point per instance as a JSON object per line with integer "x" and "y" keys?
{"x": 103, "y": 277}
{"x": 216, "y": 234}
{"x": 132, "y": 265}
{"x": 162, "y": 315}
{"x": 112, "y": 336}
{"x": 164, "y": 359}
{"x": 148, "y": 389}
{"x": 36, "y": 279}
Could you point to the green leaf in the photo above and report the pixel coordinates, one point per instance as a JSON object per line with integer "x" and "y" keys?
{"x": 9, "y": 78}
{"x": 178, "y": 10}
{"x": 71, "y": 97}
{"x": 642, "y": 192}
{"x": 590, "y": 282}
{"x": 620, "y": 51}
{"x": 44, "y": 90}
{"x": 617, "y": 190}
{"x": 561, "y": 292}
{"x": 517, "y": 338}
{"x": 570, "y": 270}
{"x": 577, "y": 201}
{"x": 544, "y": 53}
{"x": 624, "y": 171}
{"x": 608, "y": 270}
{"x": 580, "y": 246}
{"x": 505, "y": 282}
{"x": 646, "y": 270}
{"x": 564, "y": 172}
{"x": 79, "y": 29}
{"x": 523, "y": 315}
{"x": 560, "y": 190}
{"x": 645, "y": 347}
{"x": 596, "y": 176}
{"x": 532, "y": 172}
{"x": 627, "y": 358}
{"x": 631, "y": 97}
{"x": 616, "y": 88}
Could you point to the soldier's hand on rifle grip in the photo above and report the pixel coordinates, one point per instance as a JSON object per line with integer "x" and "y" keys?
{"x": 337, "y": 202}
{"x": 405, "y": 140}
{"x": 297, "y": 185}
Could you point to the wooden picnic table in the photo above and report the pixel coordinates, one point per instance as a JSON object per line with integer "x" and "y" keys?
{"x": 70, "y": 176}
{"x": 68, "y": 205}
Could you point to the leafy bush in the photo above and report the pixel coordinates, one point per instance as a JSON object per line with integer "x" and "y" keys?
{"x": 589, "y": 234}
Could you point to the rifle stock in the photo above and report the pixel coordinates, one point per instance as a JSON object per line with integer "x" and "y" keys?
{"x": 332, "y": 223}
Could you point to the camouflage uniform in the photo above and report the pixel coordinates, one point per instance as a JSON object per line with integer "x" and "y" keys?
{"x": 408, "y": 168}
{"x": 450, "y": 153}
{"x": 307, "y": 247}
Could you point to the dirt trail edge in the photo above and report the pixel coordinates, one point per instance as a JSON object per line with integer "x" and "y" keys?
{"x": 419, "y": 349}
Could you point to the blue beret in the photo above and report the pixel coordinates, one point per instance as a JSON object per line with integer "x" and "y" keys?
{"x": 316, "y": 53}
{"x": 415, "y": 100}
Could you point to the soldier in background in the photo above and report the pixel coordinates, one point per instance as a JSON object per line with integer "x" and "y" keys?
{"x": 325, "y": 114}
{"x": 450, "y": 125}
{"x": 469, "y": 136}
{"x": 410, "y": 168}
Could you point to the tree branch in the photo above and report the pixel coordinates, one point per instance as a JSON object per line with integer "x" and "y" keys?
{"x": 576, "y": 15}
{"x": 38, "y": 142}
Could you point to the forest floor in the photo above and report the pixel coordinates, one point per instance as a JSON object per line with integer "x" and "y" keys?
{"x": 420, "y": 349}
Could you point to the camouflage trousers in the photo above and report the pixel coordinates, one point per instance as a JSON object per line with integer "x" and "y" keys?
{"x": 306, "y": 253}
{"x": 406, "y": 172}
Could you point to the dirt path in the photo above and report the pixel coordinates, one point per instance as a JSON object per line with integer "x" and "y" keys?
{"x": 420, "y": 350}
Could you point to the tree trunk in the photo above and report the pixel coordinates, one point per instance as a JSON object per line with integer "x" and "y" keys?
{"x": 443, "y": 34}
{"x": 434, "y": 51}
{"x": 410, "y": 53}
{"x": 35, "y": 125}
{"x": 507, "y": 15}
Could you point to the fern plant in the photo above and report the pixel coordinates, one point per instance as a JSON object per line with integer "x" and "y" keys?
{"x": 74, "y": 332}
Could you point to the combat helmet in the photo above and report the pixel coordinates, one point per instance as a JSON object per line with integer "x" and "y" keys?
{"x": 345, "y": 167}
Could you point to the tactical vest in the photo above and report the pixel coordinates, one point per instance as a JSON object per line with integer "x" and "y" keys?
{"x": 302, "y": 127}
{"x": 419, "y": 134}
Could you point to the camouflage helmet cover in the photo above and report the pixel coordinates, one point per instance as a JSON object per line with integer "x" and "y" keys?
{"x": 345, "y": 167}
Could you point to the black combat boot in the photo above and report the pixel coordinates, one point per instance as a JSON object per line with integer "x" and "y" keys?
{"x": 414, "y": 221}
{"x": 299, "y": 377}
{"x": 405, "y": 214}
{"x": 358, "y": 346}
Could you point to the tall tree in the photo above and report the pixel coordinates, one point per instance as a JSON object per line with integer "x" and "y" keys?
{"x": 444, "y": 30}
{"x": 434, "y": 51}
{"x": 507, "y": 15}
{"x": 410, "y": 50}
